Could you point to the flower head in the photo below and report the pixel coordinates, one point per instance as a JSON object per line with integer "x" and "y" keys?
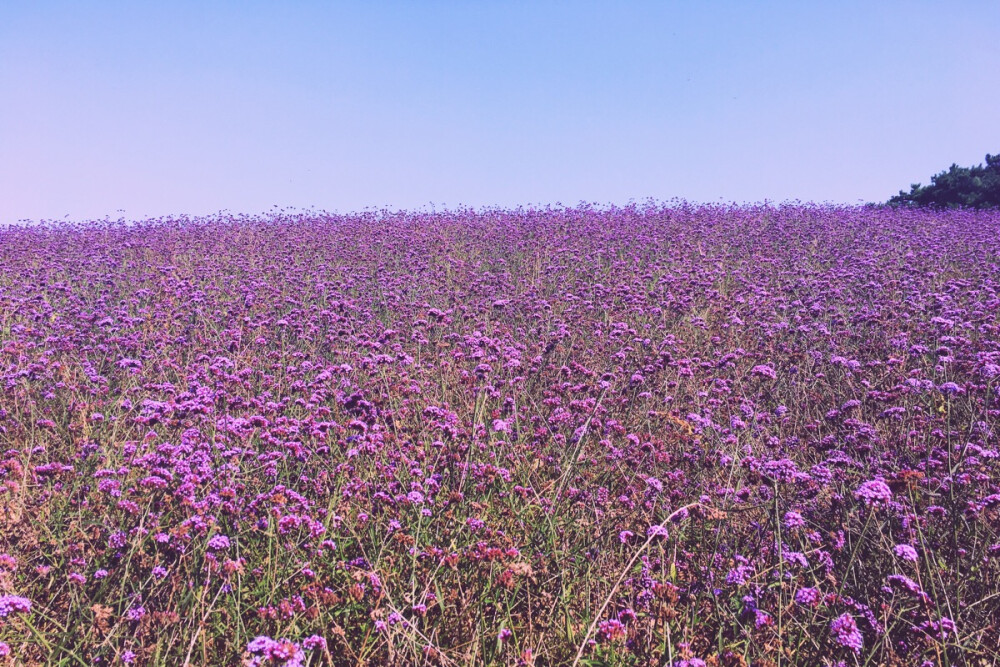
{"x": 807, "y": 597}
{"x": 845, "y": 632}
{"x": 873, "y": 492}
{"x": 218, "y": 543}
{"x": 11, "y": 604}
{"x": 906, "y": 552}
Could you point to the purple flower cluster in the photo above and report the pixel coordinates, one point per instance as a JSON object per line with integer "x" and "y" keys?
{"x": 13, "y": 604}
{"x": 874, "y": 492}
{"x": 906, "y": 552}
{"x": 266, "y": 651}
{"x": 845, "y": 632}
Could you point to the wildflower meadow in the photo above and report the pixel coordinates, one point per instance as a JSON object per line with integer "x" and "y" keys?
{"x": 659, "y": 434}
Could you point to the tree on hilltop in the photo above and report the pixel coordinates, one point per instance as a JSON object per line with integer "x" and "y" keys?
{"x": 965, "y": 187}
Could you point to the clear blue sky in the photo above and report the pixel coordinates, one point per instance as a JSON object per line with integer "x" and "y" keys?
{"x": 193, "y": 107}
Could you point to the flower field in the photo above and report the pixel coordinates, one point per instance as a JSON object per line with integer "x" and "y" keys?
{"x": 652, "y": 435}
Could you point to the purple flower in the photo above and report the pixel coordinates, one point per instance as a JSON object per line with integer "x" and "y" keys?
{"x": 807, "y": 597}
{"x": 845, "y": 632}
{"x": 939, "y": 630}
{"x": 267, "y": 651}
{"x": 907, "y": 584}
{"x": 739, "y": 575}
{"x": 794, "y": 520}
{"x": 501, "y": 426}
{"x": 218, "y": 543}
{"x": 657, "y": 531}
{"x": 10, "y": 604}
{"x": 259, "y": 644}
{"x": 611, "y": 630}
{"x": 906, "y": 552}
{"x": 874, "y": 491}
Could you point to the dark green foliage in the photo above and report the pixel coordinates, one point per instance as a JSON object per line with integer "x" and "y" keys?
{"x": 959, "y": 187}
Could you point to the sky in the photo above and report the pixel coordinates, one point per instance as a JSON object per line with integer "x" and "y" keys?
{"x": 144, "y": 109}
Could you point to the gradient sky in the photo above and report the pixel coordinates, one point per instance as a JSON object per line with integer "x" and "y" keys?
{"x": 144, "y": 109}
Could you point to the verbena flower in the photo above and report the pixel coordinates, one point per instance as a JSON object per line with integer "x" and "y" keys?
{"x": 873, "y": 492}
{"x": 845, "y": 632}
{"x": 218, "y": 543}
{"x": 13, "y": 604}
{"x": 808, "y": 597}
